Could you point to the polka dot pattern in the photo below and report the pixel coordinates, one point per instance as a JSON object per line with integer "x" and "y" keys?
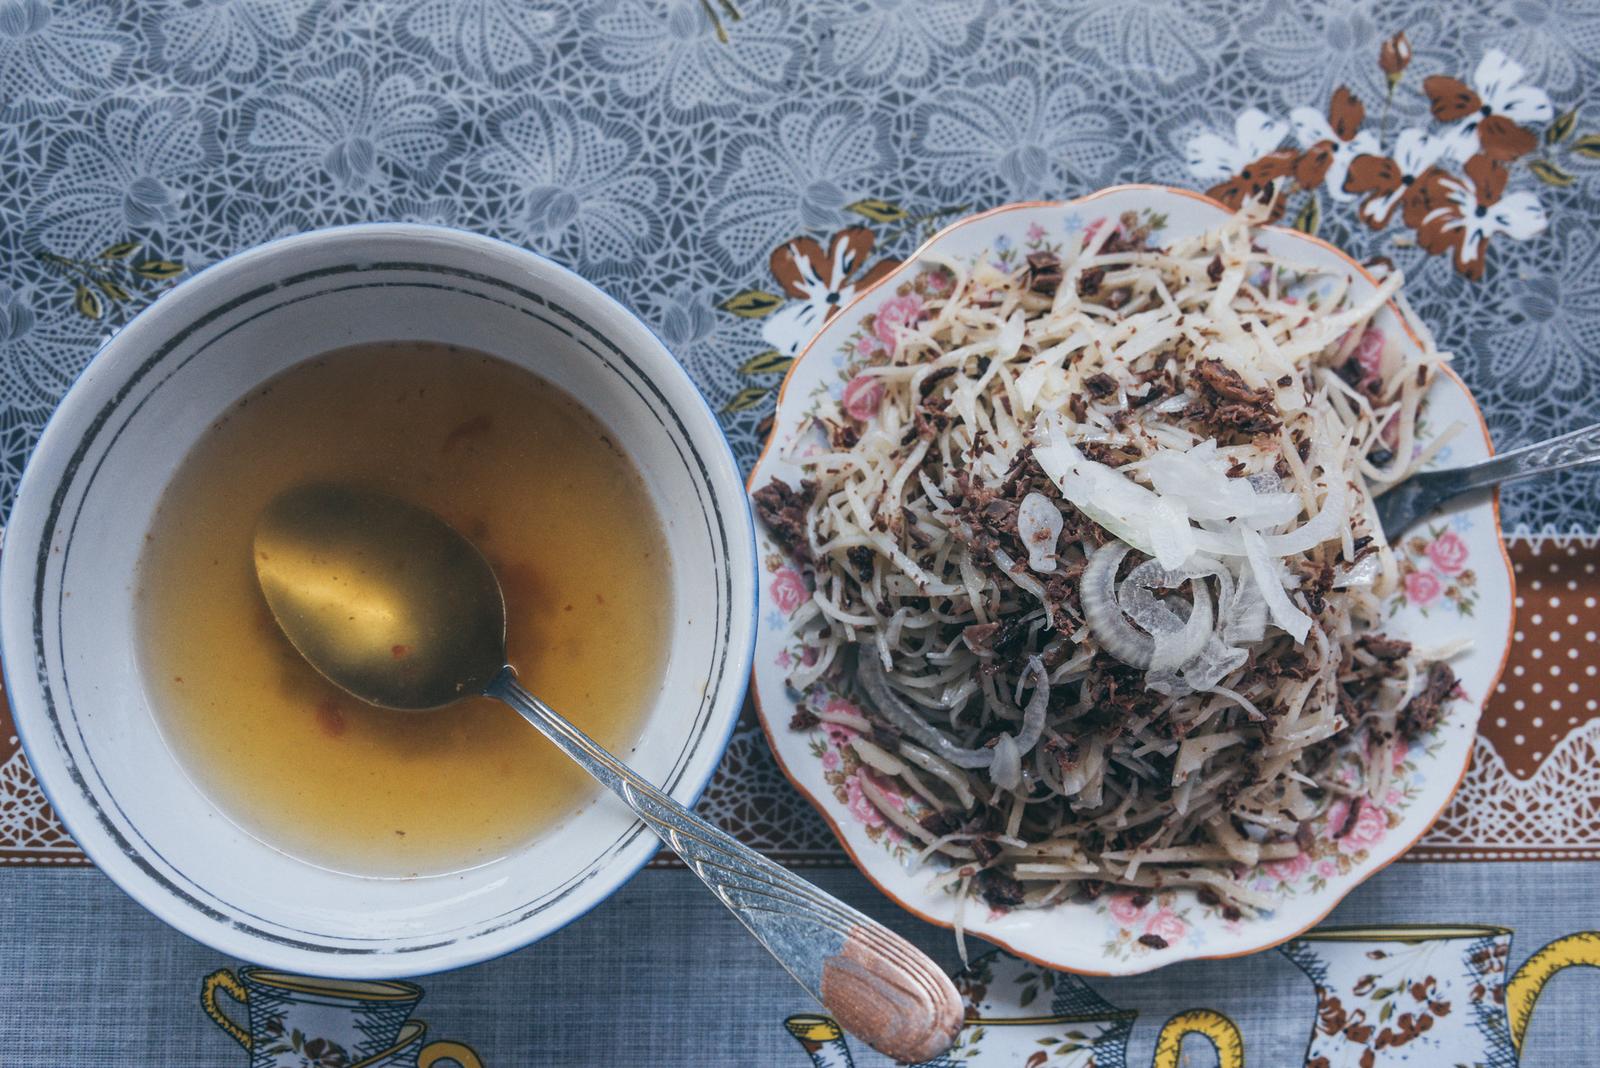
{"x": 1551, "y": 683}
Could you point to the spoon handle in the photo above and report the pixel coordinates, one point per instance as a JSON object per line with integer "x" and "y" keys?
{"x": 880, "y": 987}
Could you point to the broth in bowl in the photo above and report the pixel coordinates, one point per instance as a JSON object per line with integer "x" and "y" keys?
{"x": 513, "y": 463}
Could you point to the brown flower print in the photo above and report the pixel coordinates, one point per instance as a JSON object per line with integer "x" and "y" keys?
{"x": 808, "y": 273}
{"x": 1394, "y": 56}
{"x": 1385, "y": 183}
{"x": 1489, "y": 113}
{"x": 1254, "y": 181}
{"x": 1331, "y": 143}
{"x": 1461, "y": 213}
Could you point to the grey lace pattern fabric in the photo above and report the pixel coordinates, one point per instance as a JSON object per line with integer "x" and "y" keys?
{"x": 665, "y": 148}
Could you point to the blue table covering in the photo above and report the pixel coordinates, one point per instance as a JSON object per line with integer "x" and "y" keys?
{"x": 665, "y": 149}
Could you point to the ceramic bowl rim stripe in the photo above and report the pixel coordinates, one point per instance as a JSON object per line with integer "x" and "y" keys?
{"x": 716, "y": 475}
{"x": 770, "y": 729}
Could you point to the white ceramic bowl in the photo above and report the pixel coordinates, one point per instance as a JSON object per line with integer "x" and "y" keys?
{"x": 1463, "y": 589}
{"x": 88, "y": 496}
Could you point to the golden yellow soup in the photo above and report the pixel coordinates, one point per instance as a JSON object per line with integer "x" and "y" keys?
{"x": 510, "y": 461}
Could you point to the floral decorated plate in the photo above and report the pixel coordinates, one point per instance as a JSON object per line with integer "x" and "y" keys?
{"x": 1457, "y": 583}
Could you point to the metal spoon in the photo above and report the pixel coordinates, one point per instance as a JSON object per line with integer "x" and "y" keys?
{"x": 391, "y": 604}
{"x": 1420, "y": 494}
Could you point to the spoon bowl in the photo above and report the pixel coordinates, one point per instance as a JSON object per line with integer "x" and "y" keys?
{"x": 385, "y": 599}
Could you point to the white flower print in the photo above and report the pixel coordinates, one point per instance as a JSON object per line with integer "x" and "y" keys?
{"x": 229, "y": 38}
{"x": 131, "y": 174}
{"x": 1311, "y": 127}
{"x": 900, "y": 42}
{"x": 797, "y": 174}
{"x": 346, "y": 122}
{"x": 1212, "y": 157}
{"x": 1498, "y": 92}
{"x": 55, "y": 55}
{"x": 1040, "y": 135}
{"x": 1383, "y": 183}
{"x": 1464, "y": 211}
{"x": 669, "y": 52}
{"x": 497, "y": 42}
{"x": 574, "y": 186}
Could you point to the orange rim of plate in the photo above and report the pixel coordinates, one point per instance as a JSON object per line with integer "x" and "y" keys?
{"x": 1505, "y": 558}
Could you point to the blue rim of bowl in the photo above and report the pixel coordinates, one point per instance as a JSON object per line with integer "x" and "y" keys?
{"x": 740, "y": 660}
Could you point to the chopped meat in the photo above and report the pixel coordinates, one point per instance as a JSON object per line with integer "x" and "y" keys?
{"x": 1214, "y": 269}
{"x": 1100, "y": 385}
{"x": 1383, "y": 648}
{"x": 803, "y": 719}
{"x": 940, "y": 824}
{"x": 861, "y": 559}
{"x": 1044, "y": 273}
{"x": 1422, "y": 713}
{"x": 1089, "y": 281}
{"x": 1154, "y": 941}
{"x": 1225, "y": 382}
{"x": 1246, "y": 418}
{"x": 1000, "y": 890}
{"x": 985, "y": 850}
{"x": 783, "y": 510}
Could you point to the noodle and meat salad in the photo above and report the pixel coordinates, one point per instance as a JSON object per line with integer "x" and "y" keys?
{"x": 1103, "y": 572}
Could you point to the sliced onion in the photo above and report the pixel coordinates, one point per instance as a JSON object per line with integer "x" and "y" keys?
{"x": 1361, "y": 574}
{"x": 870, "y": 673}
{"x": 1097, "y": 592}
{"x": 1325, "y": 525}
{"x": 1008, "y": 342}
{"x": 1174, "y": 650}
{"x": 1198, "y": 478}
{"x": 1247, "y": 620}
{"x": 1006, "y": 769}
{"x": 1216, "y": 662}
{"x": 1282, "y": 610}
{"x": 1033, "y": 712}
{"x": 1039, "y": 524}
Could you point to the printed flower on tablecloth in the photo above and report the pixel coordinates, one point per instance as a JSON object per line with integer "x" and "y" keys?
{"x": 808, "y": 170}
{"x": 55, "y": 56}
{"x": 1036, "y": 132}
{"x": 1460, "y": 214}
{"x": 1330, "y": 143}
{"x": 822, "y": 283}
{"x": 1452, "y": 213}
{"x": 575, "y": 185}
{"x": 498, "y": 42}
{"x": 199, "y": 42}
{"x": 1385, "y": 183}
{"x": 349, "y": 123}
{"x": 898, "y": 44}
{"x": 1248, "y": 165}
{"x": 131, "y": 170}
{"x": 1489, "y": 114}
{"x": 672, "y": 55}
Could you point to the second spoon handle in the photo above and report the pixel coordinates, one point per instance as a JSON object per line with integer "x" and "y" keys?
{"x": 880, "y": 987}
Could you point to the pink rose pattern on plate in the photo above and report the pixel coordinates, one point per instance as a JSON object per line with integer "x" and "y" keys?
{"x": 1434, "y": 575}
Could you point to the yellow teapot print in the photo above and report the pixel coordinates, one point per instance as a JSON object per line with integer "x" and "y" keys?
{"x": 1385, "y": 996}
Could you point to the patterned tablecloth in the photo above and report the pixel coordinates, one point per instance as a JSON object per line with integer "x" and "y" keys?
{"x": 666, "y": 149}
